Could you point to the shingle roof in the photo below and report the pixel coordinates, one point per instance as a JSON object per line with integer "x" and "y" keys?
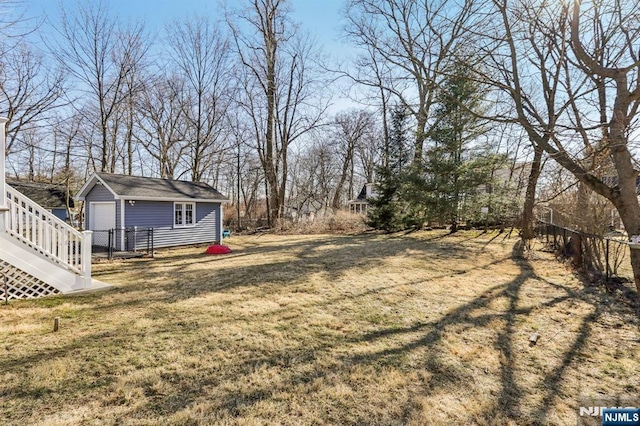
{"x": 47, "y": 195}
{"x": 145, "y": 187}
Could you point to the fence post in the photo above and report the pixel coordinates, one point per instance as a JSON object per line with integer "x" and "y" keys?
{"x": 606, "y": 253}
{"x": 86, "y": 257}
{"x": 152, "y": 242}
{"x": 135, "y": 239}
{"x": 110, "y": 244}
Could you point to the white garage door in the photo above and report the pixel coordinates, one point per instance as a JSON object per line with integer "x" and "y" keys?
{"x": 102, "y": 216}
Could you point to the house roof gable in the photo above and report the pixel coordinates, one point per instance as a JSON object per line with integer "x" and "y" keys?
{"x": 50, "y": 196}
{"x": 146, "y": 188}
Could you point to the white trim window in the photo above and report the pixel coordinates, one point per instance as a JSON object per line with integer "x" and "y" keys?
{"x": 184, "y": 215}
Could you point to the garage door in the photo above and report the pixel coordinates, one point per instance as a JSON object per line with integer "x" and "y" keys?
{"x": 102, "y": 216}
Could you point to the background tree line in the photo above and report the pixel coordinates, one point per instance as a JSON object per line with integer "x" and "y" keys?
{"x": 239, "y": 102}
{"x": 564, "y": 75}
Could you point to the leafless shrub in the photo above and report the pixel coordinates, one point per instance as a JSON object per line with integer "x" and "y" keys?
{"x": 338, "y": 223}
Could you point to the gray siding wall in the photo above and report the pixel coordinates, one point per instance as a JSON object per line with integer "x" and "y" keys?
{"x": 159, "y": 216}
{"x": 60, "y": 213}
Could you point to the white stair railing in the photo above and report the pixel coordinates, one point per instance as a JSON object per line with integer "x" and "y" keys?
{"x": 48, "y": 235}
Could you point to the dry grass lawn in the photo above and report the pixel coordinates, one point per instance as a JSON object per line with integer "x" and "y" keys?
{"x": 424, "y": 328}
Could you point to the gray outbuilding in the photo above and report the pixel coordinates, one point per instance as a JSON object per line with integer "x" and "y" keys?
{"x": 179, "y": 212}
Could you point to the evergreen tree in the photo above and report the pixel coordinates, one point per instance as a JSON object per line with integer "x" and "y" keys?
{"x": 455, "y": 166}
{"x": 386, "y": 207}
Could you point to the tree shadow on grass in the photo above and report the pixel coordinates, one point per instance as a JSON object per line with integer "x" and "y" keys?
{"x": 350, "y": 245}
{"x": 299, "y": 364}
{"x": 187, "y": 276}
{"x": 507, "y": 406}
{"x": 508, "y": 403}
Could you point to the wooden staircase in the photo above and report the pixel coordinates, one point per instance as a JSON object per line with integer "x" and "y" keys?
{"x": 40, "y": 255}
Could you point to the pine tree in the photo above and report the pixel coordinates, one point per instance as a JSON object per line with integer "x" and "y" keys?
{"x": 386, "y": 207}
{"x": 454, "y": 168}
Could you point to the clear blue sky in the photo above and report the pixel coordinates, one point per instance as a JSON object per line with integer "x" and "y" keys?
{"x": 320, "y": 17}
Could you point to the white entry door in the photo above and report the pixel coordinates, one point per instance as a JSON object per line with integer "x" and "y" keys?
{"x": 102, "y": 216}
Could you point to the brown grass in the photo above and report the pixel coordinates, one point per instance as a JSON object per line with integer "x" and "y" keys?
{"x": 423, "y": 328}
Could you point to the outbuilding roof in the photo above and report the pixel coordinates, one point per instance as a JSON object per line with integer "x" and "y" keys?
{"x": 146, "y": 188}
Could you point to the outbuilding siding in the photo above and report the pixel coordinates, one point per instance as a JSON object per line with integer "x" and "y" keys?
{"x": 60, "y": 213}
{"x": 148, "y": 214}
{"x": 159, "y": 216}
{"x": 135, "y": 214}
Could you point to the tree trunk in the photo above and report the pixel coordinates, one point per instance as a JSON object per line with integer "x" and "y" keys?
{"x": 527, "y": 226}
{"x": 335, "y": 204}
{"x": 271, "y": 174}
{"x": 421, "y": 136}
{"x": 630, "y": 215}
{"x": 130, "y": 136}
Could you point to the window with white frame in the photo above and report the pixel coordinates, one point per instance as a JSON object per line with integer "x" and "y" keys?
{"x": 183, "y": 214}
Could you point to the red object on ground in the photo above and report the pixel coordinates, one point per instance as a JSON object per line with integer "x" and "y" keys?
{"x": 218, "y": 249}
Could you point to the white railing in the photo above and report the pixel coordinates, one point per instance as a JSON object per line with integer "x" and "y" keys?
{"x": 48, "y": 235}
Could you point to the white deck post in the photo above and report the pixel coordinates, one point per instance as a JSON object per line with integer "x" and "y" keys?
{"x": 4, "y": 208}
{"x": 86, "y": 257}
{"x": 3, "y": 201}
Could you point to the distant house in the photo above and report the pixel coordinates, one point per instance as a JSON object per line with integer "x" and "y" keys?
{"x": 613, "y": 181}
{"x": 361, "y": 204}
{"x": 513, "y": 178}
{"x": 50, "y": 196}
{"x": 179, "y": 212}
{"x": 308, "y": 209}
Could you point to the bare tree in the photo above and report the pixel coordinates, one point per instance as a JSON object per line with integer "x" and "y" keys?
{"x": 132, "y": 49}
{"x": 30, "y": 90}
{"x": 277, "y": 82}
{"x": 65, "y": 134}
{"x": 101, "y": 55}
{"x": 315, "y": 170}
{"x": 160, "y": 123}
{"x": 408, "y": 45}
{"x": 572, "y": 75}
{"x": 352, "y": 130}
{"x": 201, "y": 54}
